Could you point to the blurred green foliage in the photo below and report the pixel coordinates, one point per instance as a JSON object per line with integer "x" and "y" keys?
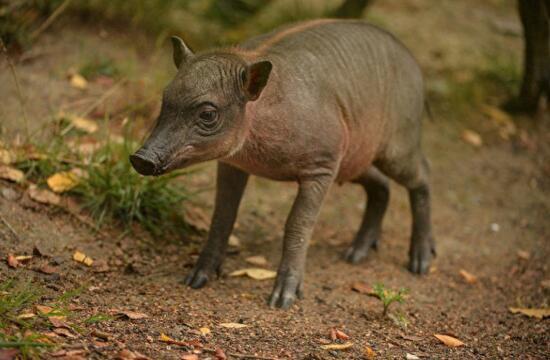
{"x": 202, "y": 23}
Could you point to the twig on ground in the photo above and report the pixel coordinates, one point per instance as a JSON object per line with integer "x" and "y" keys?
{"x": 50, "y": 19}
{"x": 10, "y": 228}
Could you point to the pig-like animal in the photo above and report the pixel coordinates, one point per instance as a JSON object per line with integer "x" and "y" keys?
{"x": 316, "y": 102}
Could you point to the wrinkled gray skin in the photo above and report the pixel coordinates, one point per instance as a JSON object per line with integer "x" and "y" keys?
{"x": 317, "y": 102}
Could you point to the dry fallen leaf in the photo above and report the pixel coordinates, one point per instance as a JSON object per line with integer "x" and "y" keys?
{"x": 64, "y": 332}
{"x": 130, "y": 355}
{"x": 167, "y": 339}
{"x": 449, "y": 340}
{"x": 204, "y": 331}
{"x": 43, "y": 309}
{"x": 7, "y": 156}
{"x": 533, "y": 312}
{"x": 11, "y": 173}
{"x": 59, "y": 321}
{"x": 524, "y": 255}
{"x": 220, "y": 355}
{"x": 502, "y": 120}
{"x": 43, "y": 196}
{"x": 84, "y": 124}
{"x": 472, "y": 138}
{"x": 255, "y": 273}
{"x": 411, "y": 357}
{"x": 234, "y": 241}
{"x": 257, "y": 260}
{"x": 48, "y": 269}
{"x": 131, "y": 314}
{"x": 23, "y": 258}
{"x": 82, "y": 258}
{"x": 189, "y": 357}
{"x": 361, "y": 287}
{"x": 343, "y": 346}
{"x": 78, "y": 81}
{"x": 468, "y": 277}
{"x": 63, "y": 181}
{"x": 369, "y": 353}
{"x": 233, "y": 325}
{"x": 26, "y": 316}
{"x": 341, "y": 335}
{"x": 12, "y": 261}
{"x": 196, "y": 217}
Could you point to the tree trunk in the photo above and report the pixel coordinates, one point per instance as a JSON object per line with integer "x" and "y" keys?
{"x": 351, "y": 8}
{"x": 534, "y": 16}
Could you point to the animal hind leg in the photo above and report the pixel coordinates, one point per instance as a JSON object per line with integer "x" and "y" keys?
{"x": 413, "y": 173}
{"x": 377, "y": 188}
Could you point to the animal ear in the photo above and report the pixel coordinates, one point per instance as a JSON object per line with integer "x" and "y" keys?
{"x": 255, "y": 78}
{"x": 181, "y": 51}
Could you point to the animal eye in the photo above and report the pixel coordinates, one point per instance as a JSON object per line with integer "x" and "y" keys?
{"x": 209, "y": 115}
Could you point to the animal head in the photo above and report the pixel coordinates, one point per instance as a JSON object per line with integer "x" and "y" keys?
{"x": 202, "y": 115}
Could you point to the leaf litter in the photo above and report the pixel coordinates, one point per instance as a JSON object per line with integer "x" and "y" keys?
{"x": 449, "y": 340}
{"x": 255, "y": 273}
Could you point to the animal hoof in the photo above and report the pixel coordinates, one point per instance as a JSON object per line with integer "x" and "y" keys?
{"x": 356, "y": 253}
{"x": 287, "y": 288}
{"x": 196, "y": 279}
{"x": 420, "y": 259}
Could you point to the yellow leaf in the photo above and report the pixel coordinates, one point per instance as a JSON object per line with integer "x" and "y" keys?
{"x": 6, "y": 156}
{"x": 78, "y": 81}
{"x": 26, "y": 316}
{"x": 536, "y": 313}
{"x": 82, "y": 258}
{"x": 43, "y": 309}
{"x": 43, "y": 196}
{"x": 470, "y": 278}
{"x": 204, "y": 331}
{"x": 502, "y": 120}
{"x": 343, "y": 346}
{"x": 369, "y": 353}
{"x": 472, "y": 138}
{"x": 257, "y": 260}
{"x": 234, "y": 241}
{"x": 165, "y": 338}
{"x": 255, "y": 273}
{"x": 449, "y": 340}
{"x": 62, "y": 181}
{"x": 233, "y": 325}
{"x": 10, "y": 173}
{"x": 83, "y": 124}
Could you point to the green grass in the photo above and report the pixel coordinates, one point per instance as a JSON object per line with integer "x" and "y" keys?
{"x": 388, "y": 296}
{"x": 18, "y": 297}
{"x": 114, "y": 190}
{"x": 15, "y": 297}
{"x": 495, "y": 80}
{"x": 98, "y": 318}
{"x": 99, "y": 66}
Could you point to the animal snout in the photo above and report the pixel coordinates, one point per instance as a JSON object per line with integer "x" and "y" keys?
{"x": 143, "y": 163}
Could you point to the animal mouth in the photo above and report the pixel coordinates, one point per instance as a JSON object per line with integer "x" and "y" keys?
{"x": 178, "y": 160}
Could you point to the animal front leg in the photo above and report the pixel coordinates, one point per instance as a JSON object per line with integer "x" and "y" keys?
{"x": 230, "y": 185}
{"x": 298, "y": 229}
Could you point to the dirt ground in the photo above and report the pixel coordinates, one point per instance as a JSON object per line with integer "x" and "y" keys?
{"x": 491, "y": 211}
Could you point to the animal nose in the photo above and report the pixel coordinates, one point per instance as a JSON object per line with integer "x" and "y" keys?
{"x": 143, "y": 164}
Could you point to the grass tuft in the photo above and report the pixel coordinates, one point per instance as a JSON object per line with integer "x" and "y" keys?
{"x": 113, "y": 189}
{"x": 388, "y": 296}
